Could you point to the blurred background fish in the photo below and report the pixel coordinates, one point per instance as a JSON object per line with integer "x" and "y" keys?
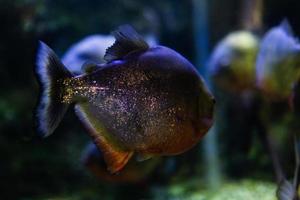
{"x": 231, "y": 71}
{"x": 277, "y": 72}
{"x": 231, "y": 64}
{"x": 277, "y": 66}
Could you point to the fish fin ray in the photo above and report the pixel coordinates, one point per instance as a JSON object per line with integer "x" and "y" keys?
{"x": 127, "y": 41}
{"x": 115, "y": 158}
{"x": 50, "y": 109}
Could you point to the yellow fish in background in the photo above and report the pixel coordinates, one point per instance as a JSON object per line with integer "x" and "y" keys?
{"x": 148, "y": 101}
{"x": 232, "y": 63}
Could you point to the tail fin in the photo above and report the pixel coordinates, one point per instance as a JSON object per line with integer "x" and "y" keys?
{"x": 50, "y": 72}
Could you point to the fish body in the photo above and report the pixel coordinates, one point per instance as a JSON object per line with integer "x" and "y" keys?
{"x": 277, "y": 65}
{"x": 148, "y": 101}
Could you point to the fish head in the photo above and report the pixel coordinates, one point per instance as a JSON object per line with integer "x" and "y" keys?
{"x": 191, "y": 107}
{"x": 199, "y": 117}
{"x": 232, "y": 63}
{"x": 170, "y": 60}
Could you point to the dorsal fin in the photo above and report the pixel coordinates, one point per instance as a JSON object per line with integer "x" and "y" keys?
{"x": 127, "y": 41}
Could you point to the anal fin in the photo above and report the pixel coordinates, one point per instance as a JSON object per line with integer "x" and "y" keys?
{"x": 115, "y": 158}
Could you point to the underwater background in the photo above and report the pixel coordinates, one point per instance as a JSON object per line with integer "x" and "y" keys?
{"x": 245, "y": 155}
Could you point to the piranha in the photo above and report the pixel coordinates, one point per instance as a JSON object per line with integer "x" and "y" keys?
{"x": 147, "y": 101}
{"x": 278, "y": 60}
{"x": 232, "y": 64}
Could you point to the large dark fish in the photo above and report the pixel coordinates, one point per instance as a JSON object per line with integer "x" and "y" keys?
{"x": 149, "y": 101}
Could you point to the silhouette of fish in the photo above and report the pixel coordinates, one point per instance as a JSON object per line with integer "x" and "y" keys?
{"x": 148, "y": 101}
{"x": 231, "y": 65}
{"x": 277, "y": 65}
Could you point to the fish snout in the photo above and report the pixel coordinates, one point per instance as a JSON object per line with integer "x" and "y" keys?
{"x": 213, "y": 100}
{"x": 206, "y": 123}
{"x": 211, "y": 107}
{"x": 207, "y": 118}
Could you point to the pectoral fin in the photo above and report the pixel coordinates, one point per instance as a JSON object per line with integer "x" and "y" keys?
{"x": 115, "y": 157}
{"x": 143, "y": 157}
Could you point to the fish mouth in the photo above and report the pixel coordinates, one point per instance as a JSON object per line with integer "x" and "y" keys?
{"x": 204, "y": 124}
{"x": 207, "y": 122}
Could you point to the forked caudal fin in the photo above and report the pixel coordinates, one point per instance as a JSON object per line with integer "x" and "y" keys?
{"x": 51, "y": 72}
